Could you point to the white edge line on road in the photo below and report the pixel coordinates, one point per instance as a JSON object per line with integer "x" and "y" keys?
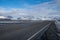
{"x": 38, "y": 32}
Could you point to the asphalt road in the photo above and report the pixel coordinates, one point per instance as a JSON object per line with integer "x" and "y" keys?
{"x": 21, "y": 31}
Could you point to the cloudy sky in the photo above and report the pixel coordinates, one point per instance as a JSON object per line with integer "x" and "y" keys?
{"x": 35, "y": 8}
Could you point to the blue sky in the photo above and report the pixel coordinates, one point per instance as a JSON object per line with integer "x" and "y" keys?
{"x": 35, "y": 8}
{"x": 20, "y": 3}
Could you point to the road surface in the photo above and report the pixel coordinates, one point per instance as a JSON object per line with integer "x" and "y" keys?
{"x": 20, "y": 31}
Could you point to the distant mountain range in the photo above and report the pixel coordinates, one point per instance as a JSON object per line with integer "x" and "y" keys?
{"x": 28, "y": 17}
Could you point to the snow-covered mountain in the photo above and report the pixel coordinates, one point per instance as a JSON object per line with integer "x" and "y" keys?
{"x": 28, "y": 17}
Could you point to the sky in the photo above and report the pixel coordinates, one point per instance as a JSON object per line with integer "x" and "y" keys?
{"x": 36, "y": 8}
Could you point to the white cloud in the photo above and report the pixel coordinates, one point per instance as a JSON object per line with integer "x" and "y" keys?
{"x": 34, "y": 10}
{"x": 41, "y": 9}
{"x": 57, "y": 2}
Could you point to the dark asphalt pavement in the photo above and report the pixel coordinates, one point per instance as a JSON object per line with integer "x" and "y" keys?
{"x": 21, "y": 31}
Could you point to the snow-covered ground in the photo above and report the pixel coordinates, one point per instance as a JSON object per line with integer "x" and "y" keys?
{"x": 58, "y": 27}
{"x": 57, "y": 24}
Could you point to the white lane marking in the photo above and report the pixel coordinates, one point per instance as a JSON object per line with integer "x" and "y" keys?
{"x": 38, "y": 32}
{"x": 58, "y": 34}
